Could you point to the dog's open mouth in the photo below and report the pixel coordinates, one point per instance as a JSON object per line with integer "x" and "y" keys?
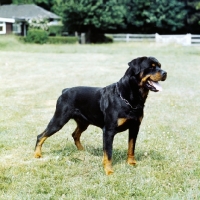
{"x": 153, "y": 86}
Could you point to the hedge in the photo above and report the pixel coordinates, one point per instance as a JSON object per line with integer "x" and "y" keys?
{"x": 36, "y": 36}
{"x": 55, "y": 30}
{"x": 40, "y": 37}
{"x": 62, "y": 40}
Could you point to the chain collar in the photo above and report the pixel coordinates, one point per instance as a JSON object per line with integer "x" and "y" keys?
{"x": 126, "y": 101}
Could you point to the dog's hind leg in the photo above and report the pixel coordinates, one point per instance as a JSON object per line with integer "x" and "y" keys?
{"x": 77, "y": 134}
{"x": 40, "y": 140}
{"x": 60, "y": 118}
{"x": 54, "y": 126}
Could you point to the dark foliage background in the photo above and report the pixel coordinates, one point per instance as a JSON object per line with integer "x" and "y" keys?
{"x": 128, "y": 16}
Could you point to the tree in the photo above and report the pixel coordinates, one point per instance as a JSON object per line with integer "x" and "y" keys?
{"x": 2, "y": 2}
{"x": 58, "y": 6}
{"x": 92, "y": 16}
{"x": 22, "y": 1}
{"x": 47, "y": 4}
{"x": 193, "y": 16}
{"x": 158, "y": 15}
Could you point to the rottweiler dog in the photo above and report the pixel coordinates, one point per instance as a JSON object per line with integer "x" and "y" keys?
{"x": 114, "y": 108}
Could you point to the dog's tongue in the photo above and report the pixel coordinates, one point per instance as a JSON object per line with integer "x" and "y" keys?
{"x": 156, "y": 85}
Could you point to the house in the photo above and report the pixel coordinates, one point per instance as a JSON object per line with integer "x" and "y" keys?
{"x": 6, "y": 25}
{"x": 15, "y": 18}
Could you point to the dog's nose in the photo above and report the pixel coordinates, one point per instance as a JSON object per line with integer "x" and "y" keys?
{"x": 164, "y": 75}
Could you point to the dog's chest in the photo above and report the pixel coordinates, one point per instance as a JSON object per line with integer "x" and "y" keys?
{"x": 121, "y": 121}
{"x": 129, "y": 113}
{"x": 127, "y": 116}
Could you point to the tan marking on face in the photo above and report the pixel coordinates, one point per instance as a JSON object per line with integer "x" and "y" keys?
{"x": 144, "y": 79}
{"x": 153, "y": 65}
{"x": 156, "y": 77}
{"x": 107, "y": 164}
{"x": 121, "y": 121}
{"x": 141, "y": 75}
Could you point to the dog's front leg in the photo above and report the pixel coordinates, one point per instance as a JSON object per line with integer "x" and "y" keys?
{"x": 108, "y": 136}
{"x": 133, "y": 132}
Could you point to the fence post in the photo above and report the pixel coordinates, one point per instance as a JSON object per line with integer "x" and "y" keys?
{"x": 127, "y": 37}
{"x": 157, "y": 37}
{"x": 82, "y": 38}
{"x": 188, "y": 39}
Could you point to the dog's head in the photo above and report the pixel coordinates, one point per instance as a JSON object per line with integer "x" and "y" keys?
{"x": 148, "y": 72}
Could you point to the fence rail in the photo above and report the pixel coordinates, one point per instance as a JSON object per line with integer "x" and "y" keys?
{"x": 133, "y": 37}
{"x": 195, "y": 39}
{"x": 187, "y": 39}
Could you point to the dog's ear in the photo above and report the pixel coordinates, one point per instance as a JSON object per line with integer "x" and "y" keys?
{"x": 135, "y": 66}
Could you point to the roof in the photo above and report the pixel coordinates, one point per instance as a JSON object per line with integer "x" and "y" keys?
{"x": 7, "y": 20}
{"x": 26, "y": 11}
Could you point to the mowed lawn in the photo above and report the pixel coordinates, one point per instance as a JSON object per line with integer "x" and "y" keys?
{"x": 168, "y": 146}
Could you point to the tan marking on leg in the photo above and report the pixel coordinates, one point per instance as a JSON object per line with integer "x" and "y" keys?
{"x": 79, "y": 145}
{"x": 131, "y": 159}
{"x": 107, "y": 164}
{"x": 76, "y": 135}
{"x": 37, "y": 153}
{"x": 121, "y": 121}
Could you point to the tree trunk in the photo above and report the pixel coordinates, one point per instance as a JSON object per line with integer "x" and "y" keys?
{"x": 88, "y": 35}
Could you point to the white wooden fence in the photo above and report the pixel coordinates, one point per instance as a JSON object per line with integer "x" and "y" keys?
{"x": 195, "y": 39}
{"x": 132, "y": 37}
{"x": 185, "y": 40}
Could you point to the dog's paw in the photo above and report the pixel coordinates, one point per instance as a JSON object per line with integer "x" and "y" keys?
{"x": 37, "y": 155}
{"x": 108, "y": 170}
{"x": 131, "y": 161}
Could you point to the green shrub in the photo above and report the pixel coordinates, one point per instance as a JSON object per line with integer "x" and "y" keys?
{"x": 62, "y": 40}
{"x": 36, "y": 36}
{"x": 55, "y": 30}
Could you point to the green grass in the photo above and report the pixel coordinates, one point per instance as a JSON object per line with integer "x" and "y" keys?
{"x": 167, "y": 151}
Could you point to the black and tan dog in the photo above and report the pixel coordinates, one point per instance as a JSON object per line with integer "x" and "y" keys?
{"x": 114, "y": 108}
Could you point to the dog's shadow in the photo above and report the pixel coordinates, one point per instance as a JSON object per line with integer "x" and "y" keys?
{"x": 120, "y": 155}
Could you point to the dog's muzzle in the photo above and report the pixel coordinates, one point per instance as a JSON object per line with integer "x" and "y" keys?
{"x": 154, "y": 85}
{"x": 164, "y": 75}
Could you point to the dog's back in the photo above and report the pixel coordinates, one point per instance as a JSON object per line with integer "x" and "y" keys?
{"x": 83, "y": 103}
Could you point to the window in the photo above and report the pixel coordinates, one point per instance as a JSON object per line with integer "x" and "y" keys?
{"x": 17, "y": 28}
{"x": 2, "y": 28}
